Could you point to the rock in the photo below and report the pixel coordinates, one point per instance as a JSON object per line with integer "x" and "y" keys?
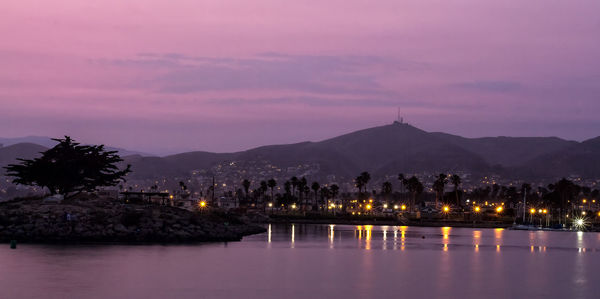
{"x": 98, "y": 220}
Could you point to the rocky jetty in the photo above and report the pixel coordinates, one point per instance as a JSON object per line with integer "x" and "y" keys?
{"x": 106, "y": 221}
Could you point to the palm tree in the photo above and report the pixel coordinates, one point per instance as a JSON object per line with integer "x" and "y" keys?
{"x": 287, "y": 186}
{"x": 305, "y": 194}
{"x": 358, "y": 182}
{"x": 302, "y": 183}
{"x": 325, "y": 195}
{"x": 263, "y": 189}
{"x": 335, "y": 189}
{"x": 272, "y": 183}
{"x": 566, "y": 190}
{"x": 402, "y": 180}
{"x": 295, "y": 182}
{"x": 246, "y": 185}
{"x": 415, "y": 187}
{"x": 455, "y": 180}
{"x": 366, "y": 177}
{"x": 386, "y": 189}
{"x": 315, "y": 187}
{"x": 439, "y": 186}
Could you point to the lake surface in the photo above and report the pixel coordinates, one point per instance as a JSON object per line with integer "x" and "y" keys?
{"x": 318, "y": 261}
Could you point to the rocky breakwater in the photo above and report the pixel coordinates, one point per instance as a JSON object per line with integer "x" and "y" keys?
{"x": 101, "y": 220}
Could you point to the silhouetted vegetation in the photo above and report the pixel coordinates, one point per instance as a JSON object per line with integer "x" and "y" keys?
{"x": 69, "y": 168}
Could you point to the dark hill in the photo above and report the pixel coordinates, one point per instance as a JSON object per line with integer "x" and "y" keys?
{"x": 384, "y": 150}
{"x": 581, "y": 158}
{"x": 9, "y": 154}
{"x": 508, "y": 151}
{"x": 401, "y": 147}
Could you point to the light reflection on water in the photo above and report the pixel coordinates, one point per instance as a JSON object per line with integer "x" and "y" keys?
{"x": 306, "y": 261}
{"x": 378, "y": 237}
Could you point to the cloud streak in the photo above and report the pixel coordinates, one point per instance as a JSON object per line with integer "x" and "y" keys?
{"x": 350, "y": 75}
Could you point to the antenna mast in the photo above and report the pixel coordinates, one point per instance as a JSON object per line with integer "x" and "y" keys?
{"x": 400, "y": 119}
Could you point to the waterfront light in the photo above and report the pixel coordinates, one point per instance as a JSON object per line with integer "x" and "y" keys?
{"x": 499, "y": 209}
{"x": 293, "y": 206}
{"x": 583, "y": 213}
{"x": 203, "y": 204}
{"x": 446, "y": 209}
{"x": 532, "y": 211}
{"x": 270, "y": 205}
{"x": 544, "y": 211}
{"x": 403, "y": 207}
{"x": 385, "y": 205}
{"x": 395, "y": 207}
{"x": 579, "y": 223}
{"x": 368, "y": 207}
{"x": 477, "y": 209}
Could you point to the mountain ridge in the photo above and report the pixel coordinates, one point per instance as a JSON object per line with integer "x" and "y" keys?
{"x": 393, "y": 148}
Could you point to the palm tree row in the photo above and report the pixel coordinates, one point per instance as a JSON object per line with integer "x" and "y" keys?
{"x": 560, "y": 196}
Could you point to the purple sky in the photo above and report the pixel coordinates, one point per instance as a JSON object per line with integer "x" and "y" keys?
{"x": 168, "y": 76}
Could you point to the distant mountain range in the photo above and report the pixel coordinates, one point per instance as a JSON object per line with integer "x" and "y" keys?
{"x": 48, "y": 143}
{"x": 385, "y": 150}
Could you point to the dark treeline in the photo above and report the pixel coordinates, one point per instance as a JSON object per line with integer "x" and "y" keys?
{"x": 561, "y": 198}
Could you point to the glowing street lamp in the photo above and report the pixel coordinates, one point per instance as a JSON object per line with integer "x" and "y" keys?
{"x": 579, "y": 223}
{"x": 477, "y": 209}
{"x": 202, "y": 204}
{"x": 403, "y": 207}
{"x": 446, "y": 209}
{"x": 368, "y": 207}
{"x": 532, "y": 211}
{"x": 499, "y": 209}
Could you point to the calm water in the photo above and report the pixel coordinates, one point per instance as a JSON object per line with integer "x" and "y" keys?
{"x": 309, "y": 261}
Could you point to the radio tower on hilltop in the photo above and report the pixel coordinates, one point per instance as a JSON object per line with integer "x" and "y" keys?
{"x": 400, "y": 119}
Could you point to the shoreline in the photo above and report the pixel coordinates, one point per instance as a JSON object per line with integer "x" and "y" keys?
{"x": 99, "y": 221}
{"x": 454, "y": 224}
{"x": 495, "y": 224}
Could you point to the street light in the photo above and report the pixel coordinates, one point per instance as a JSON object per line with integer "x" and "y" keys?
{"x": 403, "y": 207}
{"x": 499, "y": 209}
{"x": 446, "y": 209}
{"x": 477, "y": 209}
